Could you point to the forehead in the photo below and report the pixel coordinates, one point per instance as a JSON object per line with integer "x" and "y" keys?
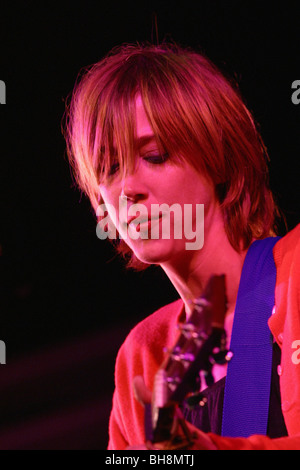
{"x": 143, "y": 127}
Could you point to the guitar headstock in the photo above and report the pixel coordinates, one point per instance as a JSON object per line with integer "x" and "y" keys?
{"x": 200, "y": 344}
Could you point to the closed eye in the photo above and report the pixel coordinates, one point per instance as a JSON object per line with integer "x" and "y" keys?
{"x": 156, "y": 159}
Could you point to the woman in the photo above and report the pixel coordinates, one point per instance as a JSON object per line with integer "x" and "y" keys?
{"x": 159, "y": 127}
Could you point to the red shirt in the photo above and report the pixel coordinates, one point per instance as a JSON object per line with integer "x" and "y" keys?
{"x": 142, "y": 354}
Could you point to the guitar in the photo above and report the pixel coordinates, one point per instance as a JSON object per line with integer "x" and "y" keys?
{"x": 201, "y": 343}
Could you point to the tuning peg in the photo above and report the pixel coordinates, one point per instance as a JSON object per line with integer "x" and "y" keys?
{"x": 189, "y": 330}
{"x": 200, "y": 303}
{"x": 196, "y": 399}
{"x": 183, "y": 357}
{"x": 172, "y": 382}
{"x": 220, "y": 356}
{"x": 229, "y": 356}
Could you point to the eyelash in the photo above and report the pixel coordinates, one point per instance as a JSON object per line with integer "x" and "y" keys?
{"x": 158, "y": 159}
{"x": 113, "y": 169}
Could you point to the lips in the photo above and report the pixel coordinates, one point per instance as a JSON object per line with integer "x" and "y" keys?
{"x": 137, "y": 220}
{"x": 142, "y": 223}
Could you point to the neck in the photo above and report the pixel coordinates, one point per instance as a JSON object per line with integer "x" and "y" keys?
{"x": 190, "y": 274}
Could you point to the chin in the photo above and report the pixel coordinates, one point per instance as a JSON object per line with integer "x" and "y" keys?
{"x": 155, "y": 251}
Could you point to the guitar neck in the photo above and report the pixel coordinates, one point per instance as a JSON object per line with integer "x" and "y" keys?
{"x": 201, "y": 340}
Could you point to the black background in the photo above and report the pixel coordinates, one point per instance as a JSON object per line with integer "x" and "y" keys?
{"x": 60, "y": 285}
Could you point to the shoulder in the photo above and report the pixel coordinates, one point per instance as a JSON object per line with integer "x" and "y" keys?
{"x": 287, "y": 290}
{"x": 157, "y": 327}
{"x": 287, "y": 249}
{"x": 288, "y": 245}
{"x": 146, "y": 341}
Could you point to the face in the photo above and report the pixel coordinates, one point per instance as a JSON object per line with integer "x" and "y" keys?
{"x": 157, "y": 180}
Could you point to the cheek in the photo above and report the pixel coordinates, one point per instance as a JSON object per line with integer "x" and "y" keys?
{"x": 199, "y": 189}
{"x": 110, "y": 201}
{"x": 109, "y": 196}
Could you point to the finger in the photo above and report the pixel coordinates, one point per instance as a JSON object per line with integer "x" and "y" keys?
{"x": 141, "y": 392}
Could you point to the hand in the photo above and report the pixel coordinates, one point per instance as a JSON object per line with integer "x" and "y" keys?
{"x": 143, "y": 395}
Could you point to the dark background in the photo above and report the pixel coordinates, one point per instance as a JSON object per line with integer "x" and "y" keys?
{"x": 66, "y": 301}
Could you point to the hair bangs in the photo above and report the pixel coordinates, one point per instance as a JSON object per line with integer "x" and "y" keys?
{"x": 181, "y": 116}
{"x": 114, "y": 143}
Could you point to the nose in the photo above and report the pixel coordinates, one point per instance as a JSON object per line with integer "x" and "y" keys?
{"x": 134, "y": 187}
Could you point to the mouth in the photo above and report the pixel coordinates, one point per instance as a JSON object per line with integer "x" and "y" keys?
{"x": 142, "y": 223}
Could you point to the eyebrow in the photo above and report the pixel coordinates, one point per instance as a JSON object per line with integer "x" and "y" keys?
{"x": 145, "y": 139}
{"x": 140, "y": 142}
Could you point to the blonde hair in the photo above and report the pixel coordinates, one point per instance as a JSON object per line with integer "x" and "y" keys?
{"x": 196, "y": 114}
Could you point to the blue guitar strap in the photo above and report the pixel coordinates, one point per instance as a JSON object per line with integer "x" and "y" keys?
{"x": 248, "y": 380}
